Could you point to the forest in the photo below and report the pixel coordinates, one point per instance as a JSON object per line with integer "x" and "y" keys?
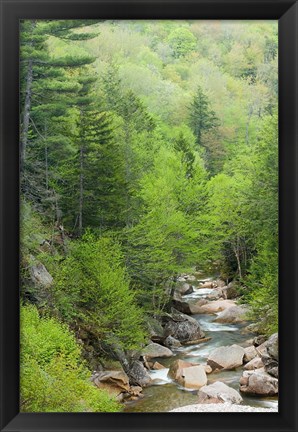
{"x": 148, "y": 158}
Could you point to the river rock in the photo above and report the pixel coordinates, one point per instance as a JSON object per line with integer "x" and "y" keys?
{"x": 217, "y": 306}
{"x": 185, "y": 289}
{"x": 194, "y": 377}
{"x": 269, "y": 347}
{"x": 111, "y": 380}
{"x": 259, "y": 340}
{"x": 154, "y": 350}
{"x": 181, "y": 306}
{"x": 195, "y": 308}
{"x": 135, "y": 390}
{"x": 219, "y": 392}
{"x": 158, "y": 366}
{"x": 226, "y": 357}
{"x": 249, "y": 353}
{"x": 138, "y": 374}
{"x": 182, "y": 327}
{"x": 171, "y": 342}
{"x": 272, "y": 346}
{"x": 215, "y": 295}
{"x": 232, "y": 315}
{"x": 270, "y": 365}
{"x": 255, "y": 363}
{"x": 207, "y": 285}
{"x": 40, "y": 276}
{"x": 258, "y": 382}
{"x": 208, "y": 369}
{"x": 176, "y": 369}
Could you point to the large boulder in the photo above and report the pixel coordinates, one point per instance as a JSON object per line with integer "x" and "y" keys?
{"x": 249, "y": 353}
{"x": 185, "y": 289}
{"x": 194, "y": 377}
{"x": 181, "y": 306}
{"x": 154, "y": 350}
{"x": 258, "y": 382}
{"x": 176, "y": 369}
{"x": 219, "y": 392}
{"x": 182, "y": 327}
{"x": 269, "y": 347}
{"x": 226, "y": 357}
{"x": 255, "y": 363}
{"x": 138, "y": 375}
{"x": 232, "y": 315}
{"x": 217, "y": 306}
{"x": 40, "y": 276}
{"x": 189, "y": 375}
{"x": 111, "y": 380}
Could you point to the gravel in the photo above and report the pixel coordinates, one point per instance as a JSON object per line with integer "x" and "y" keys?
{"x": 222, "y": 407}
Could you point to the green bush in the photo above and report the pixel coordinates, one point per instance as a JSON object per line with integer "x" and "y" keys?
{"x": 53, "y": 376}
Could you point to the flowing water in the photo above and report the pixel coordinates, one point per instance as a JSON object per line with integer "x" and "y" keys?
{"x": 165, "y": 395}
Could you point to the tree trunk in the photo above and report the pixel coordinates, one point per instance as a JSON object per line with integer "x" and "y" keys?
{"x": 27, "y": 108}
{"x": 26, "y": 114}
{"x": 237, "y": 255}
{"x": 46, "y": 158}
{"x": 81, "y": 190}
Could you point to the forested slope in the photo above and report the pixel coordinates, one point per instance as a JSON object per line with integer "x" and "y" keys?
{"x": 148, "y": 149}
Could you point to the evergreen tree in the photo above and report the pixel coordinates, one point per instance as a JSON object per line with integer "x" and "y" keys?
{"x": 182, "y": 145}
{"x": 38, "y": 65}
{"x": 202, "y": 118}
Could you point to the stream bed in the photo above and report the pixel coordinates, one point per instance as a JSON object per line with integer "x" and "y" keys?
{"x": 165, "y": 395}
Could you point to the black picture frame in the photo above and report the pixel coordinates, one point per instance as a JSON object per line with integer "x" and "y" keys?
{"x": 286, "y": 11}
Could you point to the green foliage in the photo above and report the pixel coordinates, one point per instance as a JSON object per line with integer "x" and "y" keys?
{"x": 202, "y": 117}
{"x": 164, "y": 242}
{"x": 262, "y": 282}
{"x": 182, "y": 41}
{"x": 92, "y": 286}
{"x": 53, "y": 378}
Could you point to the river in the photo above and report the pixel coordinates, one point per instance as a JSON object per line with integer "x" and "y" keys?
{"x": 165, "y": 395}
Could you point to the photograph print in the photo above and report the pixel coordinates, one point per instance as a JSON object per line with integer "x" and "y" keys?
{"x": 148, "y": 216}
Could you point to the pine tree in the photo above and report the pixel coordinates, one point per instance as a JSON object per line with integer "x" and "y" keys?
{"x": 40, "y": 71}
{"x": 202, "y": 117}
{"x": 182, "y": 145}
{"x": 48, "y": 88}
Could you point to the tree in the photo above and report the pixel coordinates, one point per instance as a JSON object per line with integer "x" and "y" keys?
{"x": 202, "y": 119}
{"x": 164, "y": 242}
{"x": 182, "y": 41}
{"x": 37, "y": 64}
{"x": 93, "y": 289}
{"x": 182, "y": 145}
